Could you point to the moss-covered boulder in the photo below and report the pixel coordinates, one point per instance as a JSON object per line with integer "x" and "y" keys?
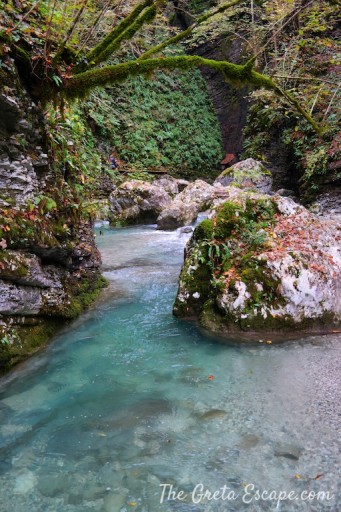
{"x": 248, "y": 174}
{"x": 262, "y": 264}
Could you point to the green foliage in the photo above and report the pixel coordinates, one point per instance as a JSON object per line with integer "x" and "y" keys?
{"x": 164, "y": 123}
{"x": 227, "y": 249}
{"x": 45, "y": 204}
{"x": 32, "y": 225}
{"x": 84, "y": 294}
{"x": 204, "y": 230}
{"x": 75, "y": 147}
{"x": 237, "y": 233}
{"x": 17, "y": 343}
{"x": 198, "y": 6}
{"x": 308, "y": 56}
{"x": 8, "y": 339}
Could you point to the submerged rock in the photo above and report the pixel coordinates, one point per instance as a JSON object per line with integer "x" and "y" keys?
{"x": 138, "y": 201}
{"x": 248, "y": 174}
{"x": 213, "y": 414}
{"x": 289, "y": 451}
{"x": 262, "y": 264}
{"x": 249, "y": 441}
{"x": 24, "y": 483}
{"x": 187, "y": 229}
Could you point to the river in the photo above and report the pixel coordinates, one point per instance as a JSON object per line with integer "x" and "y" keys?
{"x": 130, "y": 408}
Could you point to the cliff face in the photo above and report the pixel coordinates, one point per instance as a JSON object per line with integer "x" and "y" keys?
{"x": 230, "y": 103}
{"x": 49, "y": 264}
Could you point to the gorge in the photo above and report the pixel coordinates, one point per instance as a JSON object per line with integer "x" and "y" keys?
{"x": 165, "y": 322}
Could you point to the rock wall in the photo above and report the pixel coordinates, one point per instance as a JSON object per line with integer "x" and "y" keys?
{"x": 48, "y": 272}
{"x": 230, "y": 103}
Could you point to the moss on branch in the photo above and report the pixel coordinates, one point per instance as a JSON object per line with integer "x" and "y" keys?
{"x": 172, "y": 40}
{"x": 123, "y": 32}
{"x": 117, "y": 32}
{"x": 218, "y": 10}
{"x": 147, "y": 16}
{"x": 236, "y": 74}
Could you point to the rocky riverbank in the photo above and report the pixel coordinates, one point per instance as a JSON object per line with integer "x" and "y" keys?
{"x": 49, "y": 263}
{"x": 260, "y": 263}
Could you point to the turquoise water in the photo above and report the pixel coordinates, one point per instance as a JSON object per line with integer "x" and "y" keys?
{"x": 130, "y": 399}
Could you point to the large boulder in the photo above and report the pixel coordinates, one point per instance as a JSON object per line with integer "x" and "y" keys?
{"x": 184, "y": 209}
{"x": 137, "y": 201}
{"x": 171, "y": 185}
{"x": 262, "y": 264}
{"x": 248, "y": 174}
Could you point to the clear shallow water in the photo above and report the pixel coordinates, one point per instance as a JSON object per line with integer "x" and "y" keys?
{"x": 124, "y": 401}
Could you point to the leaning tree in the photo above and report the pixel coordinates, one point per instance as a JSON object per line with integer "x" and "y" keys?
{"x": 63, "y": 72}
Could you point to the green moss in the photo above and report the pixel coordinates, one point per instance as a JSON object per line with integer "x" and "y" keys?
{"x": 84, "y": 294}
{"x": 204, "y": 230}
{"x": 195, "y": 279}
{"x": 245, "y": 221}
{"x": 116, "y": 34}
{"x": 268, "y": 296}
{"x": 146, "y": 17}
{"x": 226, "y": 250}
{"x": 226, "y": 220}
{"x": 238, "y": 74}
{"x": 12, "y": 265}
{"x": 20, "y": 341}
{"x": 211, "y": 318}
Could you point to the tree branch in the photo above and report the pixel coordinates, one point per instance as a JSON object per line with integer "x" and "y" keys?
{"x": 25, "y": 16}
{"x": 236, "y": 74}
{"x": 146, "y": 17}
{"x": 69, "y": 33}
{"x": 95, "y": 56}
{"x": 185, "y": 33}
{"x": 305, "y": 78}
{"x": 94, "y": 26}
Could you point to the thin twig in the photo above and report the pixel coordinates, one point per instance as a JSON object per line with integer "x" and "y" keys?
{"x": 49, "y": 27}
{"x": 94, "y": 26}
{"x": 306, "y": 78}
{"x": 69, "y": 32}
{"x": 332, "y": 99}
{"x": 315, "y": 100}
{"x": 26, "y": 15}
{"x": 295, "y": 12}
